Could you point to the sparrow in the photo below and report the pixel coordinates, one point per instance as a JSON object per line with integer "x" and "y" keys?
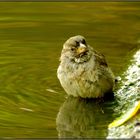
{"x": 83, "y": 71}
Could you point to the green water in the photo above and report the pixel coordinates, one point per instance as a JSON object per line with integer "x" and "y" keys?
{"x": 31, "y": 39}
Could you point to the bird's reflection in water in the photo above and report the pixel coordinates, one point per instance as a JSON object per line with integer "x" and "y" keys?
{"x": 84, "y": 118}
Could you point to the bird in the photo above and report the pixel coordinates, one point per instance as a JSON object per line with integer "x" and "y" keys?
{"x": 83, "y": 71}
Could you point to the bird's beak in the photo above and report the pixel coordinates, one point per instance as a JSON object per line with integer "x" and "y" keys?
{"x": 81, "y": 49}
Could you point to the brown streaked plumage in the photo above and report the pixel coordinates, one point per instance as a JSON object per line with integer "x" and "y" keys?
{"x": 83, "y": 71}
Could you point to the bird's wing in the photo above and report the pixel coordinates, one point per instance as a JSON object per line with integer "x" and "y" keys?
{"x": 100, "y": 58}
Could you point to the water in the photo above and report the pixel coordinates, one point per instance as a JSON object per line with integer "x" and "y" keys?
{"x": 31, "y": 38}
{"x": 128, "y": 96}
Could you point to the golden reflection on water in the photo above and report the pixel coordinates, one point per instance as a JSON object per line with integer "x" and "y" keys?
{"x": 31, "y": 39}
{"x": 84, "y": 118}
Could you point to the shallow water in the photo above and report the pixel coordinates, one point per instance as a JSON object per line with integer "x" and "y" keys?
{"x": 31, "y": 38}
{"x": 128, "y": 97}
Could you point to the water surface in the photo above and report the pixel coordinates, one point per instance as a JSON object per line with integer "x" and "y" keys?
{"x": 31, "y": 38}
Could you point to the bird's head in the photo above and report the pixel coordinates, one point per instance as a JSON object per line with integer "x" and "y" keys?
{"x": 76, "y": 49}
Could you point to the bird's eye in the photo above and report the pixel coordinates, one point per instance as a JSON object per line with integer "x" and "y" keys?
{"x": 72, "y": 49}
{"x": 83, "y": 41}
{"x": 77, "y": 43}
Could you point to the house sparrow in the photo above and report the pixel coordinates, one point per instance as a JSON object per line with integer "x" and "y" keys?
{"x": 83, "y": 71}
